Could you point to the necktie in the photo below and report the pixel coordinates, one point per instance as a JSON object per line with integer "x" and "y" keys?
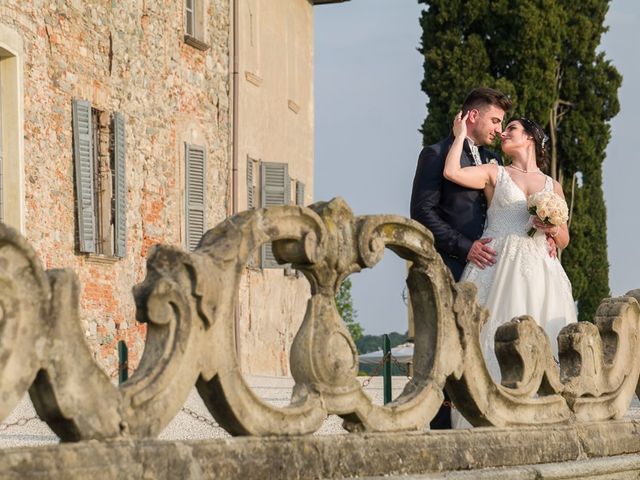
{"x": 476, "y": 155}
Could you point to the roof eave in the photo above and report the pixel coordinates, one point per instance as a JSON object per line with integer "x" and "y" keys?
{"x": 323, "y": 2}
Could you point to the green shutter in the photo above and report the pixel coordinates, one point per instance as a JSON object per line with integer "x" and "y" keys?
{"x": 120, "y": 190}
{"x": 276, "y": 190}
{"x": 299, "y": 193}
{"x": 250, "y": 189}
{"x": 84, "y": 165}
{"x": 195, "y": 194}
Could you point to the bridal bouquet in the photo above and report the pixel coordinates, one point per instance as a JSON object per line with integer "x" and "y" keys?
{"x": 549, "y": 207}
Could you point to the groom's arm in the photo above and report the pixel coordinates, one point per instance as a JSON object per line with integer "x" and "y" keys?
{"x": 425, "y": 199}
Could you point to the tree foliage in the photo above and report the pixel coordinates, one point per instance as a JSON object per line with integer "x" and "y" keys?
{"x": 344, "y": 302}
{"x": 373, "y": 343}
{"x": 543, "y": 54}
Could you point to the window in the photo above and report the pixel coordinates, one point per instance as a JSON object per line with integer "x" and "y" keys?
{"x": 195, "y": 189}
{"x": 275, "y": 187}
{"x": 300, "y": 193}
{"x": 11, "y": 129}
{"x": 194, "y": 24}
{"x": 275, "y": 190}
{"x": 99, "y": 154}
{"x": 1, "y": 163}
{"x": 190, "y": 20}
{"x": 251, "y": 183}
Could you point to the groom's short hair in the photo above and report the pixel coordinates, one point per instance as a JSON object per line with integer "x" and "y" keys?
{"x": 485, "y": 96}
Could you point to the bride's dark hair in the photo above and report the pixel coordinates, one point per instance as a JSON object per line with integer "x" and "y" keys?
{"x": 540, "y": 139}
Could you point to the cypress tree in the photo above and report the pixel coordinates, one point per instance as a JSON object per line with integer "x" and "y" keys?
{"x": 544, "y": 55}
{"x": 344, "y": 303}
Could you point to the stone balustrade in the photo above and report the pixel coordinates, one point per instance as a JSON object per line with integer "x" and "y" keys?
{"x": 188, "y": 300}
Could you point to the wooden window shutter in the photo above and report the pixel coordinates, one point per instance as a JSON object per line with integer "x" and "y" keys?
{"x": 276, "y": 190}
{"x": 250, "y": 190}
{"x": 120, "y": 190}
{"x": 85, "y": 189}
{"x": 195, "y": 194}
{"x": 299, "y": 193}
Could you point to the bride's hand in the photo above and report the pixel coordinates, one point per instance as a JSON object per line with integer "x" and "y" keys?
{"x": 460, "y": 125}
{"x": 547, "y": 228}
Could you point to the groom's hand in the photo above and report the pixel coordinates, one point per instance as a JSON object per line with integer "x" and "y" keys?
{"x": 482, "y": 255}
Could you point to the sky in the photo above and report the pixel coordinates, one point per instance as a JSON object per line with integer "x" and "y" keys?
{"x": 369, "y": 107}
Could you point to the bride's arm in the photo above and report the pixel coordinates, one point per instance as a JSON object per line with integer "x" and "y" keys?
{"x": 471, "y": 177}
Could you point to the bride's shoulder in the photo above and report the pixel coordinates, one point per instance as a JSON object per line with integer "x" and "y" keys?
{"x": 554, "y": 185}
{"x": 495, "y": 172}
{"x": 557, "y": 187}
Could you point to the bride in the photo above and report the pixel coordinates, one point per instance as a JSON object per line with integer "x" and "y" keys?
{"x": 525, "y": 280}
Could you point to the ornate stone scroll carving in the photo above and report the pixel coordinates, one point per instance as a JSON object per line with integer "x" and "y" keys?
{"x": 323, "y": 356}
{"x": 188, "y": 301}
{"x": 24, "y": 310}
{"x": 599, "y": 362}
{"x": 71, "y": 393}
{"x": 597, "y": 377}
{"x": 231, "y": 401}
{"x": 530, "y": 391}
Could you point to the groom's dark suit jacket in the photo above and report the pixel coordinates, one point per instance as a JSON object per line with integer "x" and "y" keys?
{"x": 455, "y": 215}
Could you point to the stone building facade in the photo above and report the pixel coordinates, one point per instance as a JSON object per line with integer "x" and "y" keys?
{"x": 274, "y": 145}
{"x": 126, "y": 124}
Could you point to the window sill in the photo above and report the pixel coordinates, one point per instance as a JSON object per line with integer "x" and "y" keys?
{"x": 99, "y": 259}
{"x": 195, "y": 43}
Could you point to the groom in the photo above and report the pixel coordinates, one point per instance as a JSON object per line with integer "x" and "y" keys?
{"x": 454, "y": 214}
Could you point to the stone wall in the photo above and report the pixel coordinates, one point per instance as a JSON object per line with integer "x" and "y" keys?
{"x": 276, "y": 124}
{"x": 128, "y": 57}
{"x": 590, "y": 452}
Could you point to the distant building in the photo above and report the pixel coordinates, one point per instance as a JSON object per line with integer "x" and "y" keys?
{"x": 125, "y": 124}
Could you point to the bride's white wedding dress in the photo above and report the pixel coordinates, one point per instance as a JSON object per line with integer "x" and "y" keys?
{"x": 525, "y": 280}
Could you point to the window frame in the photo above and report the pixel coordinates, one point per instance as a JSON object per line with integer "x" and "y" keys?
{"x": 195, "y": 193}
{"x": 267, "y": 194}
{"x": 100, "y": 186}
{"x": 195, "y": 29}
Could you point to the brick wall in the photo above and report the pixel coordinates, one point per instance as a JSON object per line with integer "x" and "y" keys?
{"x": 128, "y": 57}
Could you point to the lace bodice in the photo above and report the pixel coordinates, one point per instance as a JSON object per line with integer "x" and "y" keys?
{"x": 507, "y": 214}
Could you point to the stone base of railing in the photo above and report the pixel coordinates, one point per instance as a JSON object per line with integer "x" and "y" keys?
{"x": 589, "y": 450}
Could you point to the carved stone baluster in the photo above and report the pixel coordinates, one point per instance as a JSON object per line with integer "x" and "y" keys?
{"x": 323, "y": 354}
{"x": 71, "y": 392}
{"x": 24, "y": 316}
{"x": 599, "y": 365}
{"x": 221, "y": 385}
{"x": 530, "y": 389}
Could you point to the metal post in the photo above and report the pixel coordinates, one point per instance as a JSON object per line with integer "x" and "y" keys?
{"x": 386, "y": 368}
{"x": 123, "y": 362}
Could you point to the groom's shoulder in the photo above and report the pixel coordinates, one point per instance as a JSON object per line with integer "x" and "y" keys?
{"x": 443, "y": 144}
{"x": 438, "y": 148}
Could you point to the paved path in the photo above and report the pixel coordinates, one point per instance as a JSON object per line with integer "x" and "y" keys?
{"x": 23, "y": 427}
{"x": 194, "y": 421}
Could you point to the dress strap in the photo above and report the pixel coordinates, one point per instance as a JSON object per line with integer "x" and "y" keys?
{"x": 548, "y": 184}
